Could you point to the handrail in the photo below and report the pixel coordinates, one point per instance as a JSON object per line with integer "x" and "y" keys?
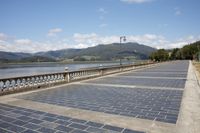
{"x": 8, "y": 85}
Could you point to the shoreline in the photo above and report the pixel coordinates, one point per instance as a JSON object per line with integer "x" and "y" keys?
{"x": 55, "y": 64}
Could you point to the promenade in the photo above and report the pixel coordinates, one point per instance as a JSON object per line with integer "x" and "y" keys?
{"x": 161, "y": 99}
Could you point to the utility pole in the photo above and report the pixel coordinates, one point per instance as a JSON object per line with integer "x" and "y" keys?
{"x": 122, "y": 39}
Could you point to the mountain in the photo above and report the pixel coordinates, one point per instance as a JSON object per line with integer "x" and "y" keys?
{"x": 117, "y": 50}
{"x": 22, "y": 57}
{"x": 102, "y": 52}
{"x": 36, "y": 59}
{"x": 59, "y": 54}
{"x": 12, "y": 56}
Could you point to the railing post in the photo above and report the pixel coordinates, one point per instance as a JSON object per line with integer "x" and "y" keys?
{"x": 100, "y": 72}
{"x": 68, "y": 80}
{"x": 66, "y": 77}
{"x": 121, "y": 68}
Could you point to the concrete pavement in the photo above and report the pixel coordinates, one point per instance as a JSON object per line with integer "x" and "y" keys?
{"x": 163, "y": 99}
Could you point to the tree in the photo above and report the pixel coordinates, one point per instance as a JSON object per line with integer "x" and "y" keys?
{"x": 79, "y": 59}
{"x": 175, "y": 54}
{"x": 93, "y": 59}
{"x": 160, "y": 55}
{"x": 189, "y": 51}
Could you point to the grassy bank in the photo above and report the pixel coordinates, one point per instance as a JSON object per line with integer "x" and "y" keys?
{"x": 197, "y": 66}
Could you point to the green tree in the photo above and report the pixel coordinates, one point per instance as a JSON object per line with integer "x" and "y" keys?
{"x": 174, "y": 54}
{"x": 160, "y": 55}
{"x": 93, "y": 59}
{"x": 189, "y": 51}
{"x": 79, "y": 59}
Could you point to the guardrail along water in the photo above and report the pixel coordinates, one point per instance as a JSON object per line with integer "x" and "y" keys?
{"x": 10, "y": 85}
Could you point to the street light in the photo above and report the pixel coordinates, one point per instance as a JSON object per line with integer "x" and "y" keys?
{"x": 198, "y": 52}
{"x": 122, "y": 39}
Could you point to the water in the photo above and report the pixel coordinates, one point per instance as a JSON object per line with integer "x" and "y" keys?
{"x": 17, "y": 70}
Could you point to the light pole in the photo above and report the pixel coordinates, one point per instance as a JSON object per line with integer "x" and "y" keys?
{"x": 122, "y": 39}
{"x": 198, "y": 52}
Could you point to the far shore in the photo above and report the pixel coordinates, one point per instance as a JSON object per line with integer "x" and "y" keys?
{"x": 35, "y": 64}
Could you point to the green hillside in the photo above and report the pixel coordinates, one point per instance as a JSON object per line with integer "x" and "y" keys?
{"x": 103, "y": 52}
{"x": 108, "y": 52}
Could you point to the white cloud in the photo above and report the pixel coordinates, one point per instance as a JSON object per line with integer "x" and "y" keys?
{"x": 23, "y": 41}
{"x": 177, "y": 11}
{"x": 156, "y": 41}
{"x": 94, "y": 39}
{"x": 80, "y": 45}
{"x": 102, "y": 14}
{"x": 102, "y": 10}
{"x": 79, "y": 40}
{"x": 101, "y": 17}
{"x": 180, "y": 42}
{"x": 53, "y": 32}
{"x": 147, "y": 39}
{"x": 23, "y": 45}
{"x": 136, "y": 1}
{"x": 30, "y": 46}
{"x": 84, "y": 37}
{"x": 103, "y": 25}
{"x": 3, "y": 36}
{"x": 16, "y": 46}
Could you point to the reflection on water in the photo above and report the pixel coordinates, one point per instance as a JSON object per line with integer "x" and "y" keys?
{"x": 8, "y": 71}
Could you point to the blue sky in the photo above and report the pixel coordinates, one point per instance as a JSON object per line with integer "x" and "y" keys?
{"x": 41, "y": 25}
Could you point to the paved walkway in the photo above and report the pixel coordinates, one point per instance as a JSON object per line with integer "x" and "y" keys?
{"x": 151, "y": 100}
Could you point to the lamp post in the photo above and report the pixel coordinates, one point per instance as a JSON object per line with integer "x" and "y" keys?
{"x": 198, "y": 52}
{"x": 122, "y": 39}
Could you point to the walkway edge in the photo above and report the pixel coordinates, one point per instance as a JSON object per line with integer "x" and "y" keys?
{"x": 189, "y": 115}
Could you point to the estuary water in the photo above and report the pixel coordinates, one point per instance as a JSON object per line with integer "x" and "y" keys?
{"x": 17, "y": 70}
